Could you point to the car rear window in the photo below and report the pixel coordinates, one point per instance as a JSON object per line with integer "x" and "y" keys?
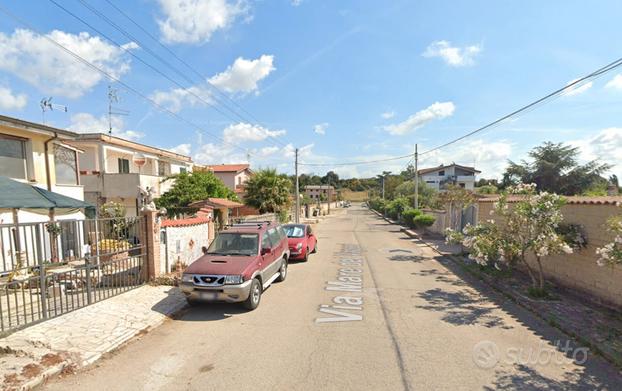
{"x": 295, "y": 231}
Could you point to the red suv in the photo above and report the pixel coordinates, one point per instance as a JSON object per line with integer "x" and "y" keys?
{"x": 242, "y": 261}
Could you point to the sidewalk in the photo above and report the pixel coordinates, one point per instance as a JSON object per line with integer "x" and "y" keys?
{"x": 595, "y": 326}
{"x": 79, "y": 338}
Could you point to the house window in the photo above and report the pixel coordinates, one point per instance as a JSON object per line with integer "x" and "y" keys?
{"x": 12, "y": 157}
{"x": 441, "y": 173}
{"x": 462, "y": 185}
{"x": 182, "y": 170}
{"x": 430, "y": 182}
{"x": 239, "y": 180}
{"x": 124, "y": 166}
{"x": 65, "y": 166}
{"x": 164, "y": 168}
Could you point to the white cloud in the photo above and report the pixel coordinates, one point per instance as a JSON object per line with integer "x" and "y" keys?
{"x": 615, "y": 83}
{"x": 296, "y": 3}
{"x": 320, "y": 128}
{"x": 388, "y": 114}
{"x": 577, "y": 88}
{"x": 194, "y": 21}
{"x": 244, "y": 74}
{"x": 39, "y": 62}
{"x": 241, "y": 77}
{"x": 10, "y": 101}
{"x": 605, "y": 145}
{"x": 242, "y": 132}
{"x": 182, "y": 149}
{"x": 434, "y": 111}
{"x": 88, "y": 123}
{"x": 453, "y": 55}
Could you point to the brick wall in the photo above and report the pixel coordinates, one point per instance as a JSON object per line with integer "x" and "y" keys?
{"x": 579, "y": 271}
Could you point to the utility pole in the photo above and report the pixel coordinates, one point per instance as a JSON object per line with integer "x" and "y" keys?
{"x": 416, "y": 178}
{"x": 297, "y": 191}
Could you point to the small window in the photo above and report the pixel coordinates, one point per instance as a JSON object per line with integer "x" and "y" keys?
{"x": 430, "y": 182}
{"x": 462, "y": 185}
{"x": 164, "y": 168}
{"x": 65, "y": 166}
{"x": 441, "y": 173}
{"x": 275, "y": 238}
{"x": 124, "y": 166}
{"x": 12, "y": 157}
{"x": 182, "y": 170}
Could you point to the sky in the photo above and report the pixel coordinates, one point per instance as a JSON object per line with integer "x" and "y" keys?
{"x": 344, "y": 81}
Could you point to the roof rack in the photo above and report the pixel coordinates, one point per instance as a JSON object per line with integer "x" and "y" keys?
{"x": 259, "y": 224}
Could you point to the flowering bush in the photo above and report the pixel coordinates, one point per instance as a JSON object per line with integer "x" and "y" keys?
{"x": 574, "y": 235}
{"x": 611, "y": 253}
{"x": 529, "y": 226}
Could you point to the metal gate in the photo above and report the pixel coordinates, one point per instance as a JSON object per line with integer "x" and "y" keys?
{"x": 48, "y": 269}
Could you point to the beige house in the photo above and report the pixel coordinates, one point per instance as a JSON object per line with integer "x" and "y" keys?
{"x": 321, "y": 192}
{"x": 234, "y": 176}
{"x": 39, "y": 155}
{"x": 454, "y": 174}
{"x": 113, "y": 169}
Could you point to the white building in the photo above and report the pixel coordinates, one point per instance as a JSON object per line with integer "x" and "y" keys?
{"x": 113, "y": 169}
{"x": 454, "y": 174}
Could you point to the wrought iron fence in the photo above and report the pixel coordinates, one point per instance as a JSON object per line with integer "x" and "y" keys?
{"x": 47, "y": 271}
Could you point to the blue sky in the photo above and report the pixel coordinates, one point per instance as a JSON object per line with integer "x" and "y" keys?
{"x": 342, "y": 80}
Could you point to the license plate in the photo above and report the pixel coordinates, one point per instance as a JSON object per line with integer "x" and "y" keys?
{"x": 208, "y": 295}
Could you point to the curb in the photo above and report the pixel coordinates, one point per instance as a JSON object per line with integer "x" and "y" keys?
{"x": 523, "y": 302}
{"x": 72, "y": 361}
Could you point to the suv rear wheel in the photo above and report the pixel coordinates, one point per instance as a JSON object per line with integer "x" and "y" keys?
{"x": 282, "y": 270}
{"x": 254, "y": 297}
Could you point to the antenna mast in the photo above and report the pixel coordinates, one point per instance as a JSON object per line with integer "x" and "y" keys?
{"x": 113, "y": 98}
{"x": 47, "y": 105}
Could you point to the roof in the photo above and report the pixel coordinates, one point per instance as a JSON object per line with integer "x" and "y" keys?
{"x": 466, "y": 168}
{"x": 185, "y": 222}
{"x": 216, "y": 203}
{"x": 573, "y": 200}
{"x": 18, "y": 195}
{"x": 311, "y": 187}
{"x": 100, "y": 137}
{"x": 33, "y": 126}
{"x": 229, "y": 167}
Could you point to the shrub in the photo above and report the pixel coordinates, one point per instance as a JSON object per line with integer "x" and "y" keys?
{"x": 409, "y": 215}
{"x": 423, "y": 220}
{"x": 396, "y": 207}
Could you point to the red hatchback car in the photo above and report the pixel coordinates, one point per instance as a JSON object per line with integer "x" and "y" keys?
{"x": 301, "y": 240}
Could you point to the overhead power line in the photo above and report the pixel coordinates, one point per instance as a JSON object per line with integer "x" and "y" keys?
{"x": 358, "y": 163}
{"x": 117, "y": 80}
{"x": 221, "y": 94}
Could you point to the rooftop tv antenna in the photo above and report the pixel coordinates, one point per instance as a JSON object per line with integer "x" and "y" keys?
{"x": 113, "y": 98}
{"x": 47, "y": 105}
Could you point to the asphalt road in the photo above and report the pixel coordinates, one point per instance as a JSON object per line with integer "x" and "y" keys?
{"x": 415, "y": 322}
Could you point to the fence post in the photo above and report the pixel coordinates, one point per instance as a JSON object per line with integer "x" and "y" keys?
{"x": 89, "y": 286}
{"x": 43, "y": 288}
{"x": 151, "y": 243}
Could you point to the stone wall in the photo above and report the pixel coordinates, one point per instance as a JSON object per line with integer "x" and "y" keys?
{"x": 579, "y": 271}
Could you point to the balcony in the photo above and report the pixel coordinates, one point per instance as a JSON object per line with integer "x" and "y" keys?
{"x": 124, "y": 185}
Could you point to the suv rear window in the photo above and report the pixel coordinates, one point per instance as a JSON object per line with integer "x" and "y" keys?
{"x": 234, "y": 243}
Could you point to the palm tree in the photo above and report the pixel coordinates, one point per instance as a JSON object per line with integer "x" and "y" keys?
{"x": 268, "y": 191}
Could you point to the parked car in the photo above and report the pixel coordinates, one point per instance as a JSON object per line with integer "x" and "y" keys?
{"x": 241, "y": 262}
{"x": 301, "y": 240}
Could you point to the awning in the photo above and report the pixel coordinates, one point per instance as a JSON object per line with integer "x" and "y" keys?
{"x": 18, "y": 195}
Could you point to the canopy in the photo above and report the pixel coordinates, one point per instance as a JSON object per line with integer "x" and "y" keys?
{"x": 18, "y": 195}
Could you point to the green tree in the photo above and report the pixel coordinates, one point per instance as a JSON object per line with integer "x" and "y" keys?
{"x": 554, "y": 168}
{"x": 268, "y": 191}
{"x": 190, "y": 187}
{"x": 428, "y": 197}
{"x": 331, "y": 178}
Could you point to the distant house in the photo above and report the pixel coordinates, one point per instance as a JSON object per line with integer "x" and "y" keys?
{"x": 320, "y": 192}
{"x": 113, "y": 169}
{"x": 39, "y": 155}
{"x": 454, "y": 174}
{"x": 234, "y": 176}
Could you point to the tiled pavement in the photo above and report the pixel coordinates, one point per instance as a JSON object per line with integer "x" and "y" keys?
{"x": 79, "y": 338}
